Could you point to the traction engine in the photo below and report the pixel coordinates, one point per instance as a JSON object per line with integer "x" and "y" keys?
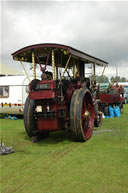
{"x": 62, "y": 99}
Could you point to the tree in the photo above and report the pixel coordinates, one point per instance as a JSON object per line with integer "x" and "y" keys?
{"x": 123, "y": 79}
{"x": 102, "y": 79}
{"x": 112, "y": 79}
{"x": 118, "y": 79}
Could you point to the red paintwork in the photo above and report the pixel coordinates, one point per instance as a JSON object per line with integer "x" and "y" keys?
{"x": 108, "y": 98}
{"x": 51, "y": 82}
{"x": 45, "y": 94}
{"x": 49, "y": 124}
{"x": 42, "y": 94}
{"x": 71, "y": 88}
{"x": 49, "y": 99}
{"x": 114, "y": 98}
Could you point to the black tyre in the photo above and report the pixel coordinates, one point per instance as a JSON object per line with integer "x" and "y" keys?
{"x": 81, "y": 115}
{"x": 121, "y": 107}
{"x": 125, "y": 101}
{"x": 106, "y": 111}
{"x": 29, "y": 120}
{"x": 98, "y": 114}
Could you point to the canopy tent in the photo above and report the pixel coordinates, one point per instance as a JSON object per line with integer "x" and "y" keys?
{"x": 8, "y": 70}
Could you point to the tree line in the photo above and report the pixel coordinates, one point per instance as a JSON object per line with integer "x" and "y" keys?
{"x": 105, "y": 79}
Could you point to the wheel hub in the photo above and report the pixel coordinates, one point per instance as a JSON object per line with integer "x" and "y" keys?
{"x": 87, "y": 114}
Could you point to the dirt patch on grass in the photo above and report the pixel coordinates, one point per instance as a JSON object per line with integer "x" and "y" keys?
{"x": 59, "y": 154}
{"x": 102, "y": 131}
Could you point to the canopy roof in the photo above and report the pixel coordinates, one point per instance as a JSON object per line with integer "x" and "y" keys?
{"x": 25, "y": 54}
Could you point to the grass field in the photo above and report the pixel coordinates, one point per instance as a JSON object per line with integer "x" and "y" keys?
{"x": 58, "y": 165}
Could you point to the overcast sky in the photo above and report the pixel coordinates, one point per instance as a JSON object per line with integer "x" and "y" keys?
{"x": 99, "y": 28}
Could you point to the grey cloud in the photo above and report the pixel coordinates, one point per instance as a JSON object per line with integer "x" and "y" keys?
{"x": 98, "y": 28}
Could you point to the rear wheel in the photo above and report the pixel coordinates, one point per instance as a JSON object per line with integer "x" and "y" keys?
{"x": 82, "y": 115}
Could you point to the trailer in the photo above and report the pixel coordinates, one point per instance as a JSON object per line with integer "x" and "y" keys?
{"x": 63, "y": 98}
{"x": 13, "y": 94}
{"x": 110, "y": 95}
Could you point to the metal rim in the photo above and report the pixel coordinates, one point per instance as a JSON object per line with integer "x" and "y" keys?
{"x": 87, "y": 115}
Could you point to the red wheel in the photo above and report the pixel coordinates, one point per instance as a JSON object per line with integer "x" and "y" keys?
{"x": 82, "y": 114}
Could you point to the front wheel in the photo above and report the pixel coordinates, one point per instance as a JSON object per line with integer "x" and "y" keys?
{"x": 29, "y": 120}
{"x": 81, "y": 115}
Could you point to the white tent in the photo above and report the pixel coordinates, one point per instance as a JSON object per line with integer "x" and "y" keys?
{"x": 8, "y": 70}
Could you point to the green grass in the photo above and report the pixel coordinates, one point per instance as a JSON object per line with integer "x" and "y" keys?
{"x": 58, "y": 165}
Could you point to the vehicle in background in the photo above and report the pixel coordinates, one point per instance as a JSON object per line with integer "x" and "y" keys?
{"x": 110, "y": 94}
{"x": 13, "y": 94}
{"x": 125, "y": 86}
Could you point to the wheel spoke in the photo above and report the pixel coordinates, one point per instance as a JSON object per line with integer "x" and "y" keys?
{"x": 84, "y": 103}
{"x": 89, "y": 107}
{"x": 83, "y": 107}
{"x": 83, "y": 117}
{"x": 89, "y": 122}
{"x": 85, "y": 125}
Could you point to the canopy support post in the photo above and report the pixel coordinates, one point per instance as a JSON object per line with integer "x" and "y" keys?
{"x": 66, "y": 66}
{"x": 53, "y": 64}
{"x": 74, "y": 70}
{"x": 103, "y": 70}
{"x": 25, "y": 70}
{"x": 103, "y": 73}
{"x": 33, "y": 65}
{"x": 94, "y": 72}
{"x": 77, "y": 70}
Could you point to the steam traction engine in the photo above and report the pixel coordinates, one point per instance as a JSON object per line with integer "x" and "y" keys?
{"x": 62, "y": 99}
